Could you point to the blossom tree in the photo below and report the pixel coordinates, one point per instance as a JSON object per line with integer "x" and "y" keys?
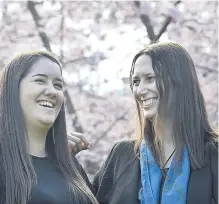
{"x": 95, "y": 42}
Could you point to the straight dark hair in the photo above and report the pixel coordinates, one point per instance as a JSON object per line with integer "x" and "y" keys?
{"x": 180, "y": 101}
{"x": 16, "y": 169}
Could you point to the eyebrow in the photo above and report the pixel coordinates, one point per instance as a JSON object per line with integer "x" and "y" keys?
{"x": 145, "y": 75}
{"x": 44, "y": 75}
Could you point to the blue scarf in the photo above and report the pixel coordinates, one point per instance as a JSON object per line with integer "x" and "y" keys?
{"x": 175, "y": 184}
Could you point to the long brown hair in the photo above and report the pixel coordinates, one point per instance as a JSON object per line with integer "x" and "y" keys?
{"x": 16, "y": 169}
{"x": 176, "y": 81}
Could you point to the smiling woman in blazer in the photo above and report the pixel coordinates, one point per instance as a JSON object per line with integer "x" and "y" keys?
{"x": 175, "y": 157}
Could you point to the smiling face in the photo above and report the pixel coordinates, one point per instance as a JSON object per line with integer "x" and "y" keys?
{"x": 144, "y": 86}
{"x": 41, "y": 93}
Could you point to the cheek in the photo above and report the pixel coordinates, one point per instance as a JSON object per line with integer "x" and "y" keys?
{"x": 154, "y": 88}
{"x": 27, "y": 93}
{"x": 23, "y": 95}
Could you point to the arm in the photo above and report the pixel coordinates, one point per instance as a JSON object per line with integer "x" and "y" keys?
{"x": 112, "y": 183}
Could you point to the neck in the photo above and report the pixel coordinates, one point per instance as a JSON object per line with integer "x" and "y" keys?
{"x": 166, "y": 136}
{"x": 37, "y": 141}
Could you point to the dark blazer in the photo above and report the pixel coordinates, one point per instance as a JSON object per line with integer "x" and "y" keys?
{"x": 118, "y": 180}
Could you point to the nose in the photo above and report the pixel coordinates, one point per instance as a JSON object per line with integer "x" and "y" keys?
{"x": 50, "y": 90}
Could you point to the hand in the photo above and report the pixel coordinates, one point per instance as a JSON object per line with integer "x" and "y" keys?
{"x": 77, "y": 142}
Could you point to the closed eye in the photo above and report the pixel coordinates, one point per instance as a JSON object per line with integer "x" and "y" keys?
{"x": 40, "y": 81}
{"x": 135, "y": 81}
{"x": 59, "y": 86}
{"x": 151, "y": 79}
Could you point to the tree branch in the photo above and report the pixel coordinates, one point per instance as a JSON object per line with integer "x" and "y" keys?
{"x": 80, "y": 58}
{"x": 166, "y": 23}
{"x": 44, "y": 38}
{"x": 207, "y": 69}
{"x": 104, "y": 133}
{"x": 145, "y": 19}
{"x": 147, "y": 23}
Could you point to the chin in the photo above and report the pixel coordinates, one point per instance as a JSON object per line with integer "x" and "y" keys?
{"x": 149, "y": 116}
{"x": 46, "y": 122}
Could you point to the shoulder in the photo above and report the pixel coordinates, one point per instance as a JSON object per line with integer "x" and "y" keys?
{"x": 124, "y": 146}
{"x": 121, "y": 154}
{"x": 123, "y": 149}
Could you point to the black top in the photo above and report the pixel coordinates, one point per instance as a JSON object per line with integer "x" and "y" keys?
{"x": 51, "y": 187}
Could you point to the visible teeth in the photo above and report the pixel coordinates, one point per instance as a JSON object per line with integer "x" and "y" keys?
{"x": 46, "y": 103}
{"x": 149, "y": 102}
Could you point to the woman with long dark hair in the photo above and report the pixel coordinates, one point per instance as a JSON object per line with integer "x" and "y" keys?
{"x": 175, "y": 156}
{"x": 36, "y": 166}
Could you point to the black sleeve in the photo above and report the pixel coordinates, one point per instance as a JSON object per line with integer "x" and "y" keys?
{"x": 105, "y": 178}
{"x": 214, "y": 170}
